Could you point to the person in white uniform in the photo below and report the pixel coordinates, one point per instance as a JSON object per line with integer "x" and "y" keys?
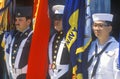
{"x": 103, "y": 54}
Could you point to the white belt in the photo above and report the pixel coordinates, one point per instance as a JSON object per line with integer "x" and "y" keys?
{"x": 55, "y": 73}
{"x": 16, "y": 72}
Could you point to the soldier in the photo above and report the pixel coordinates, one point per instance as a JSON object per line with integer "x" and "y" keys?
{"x": 103, "y": 54}
{"x": 59, "y": 58}
{"x": 18, "y": 43}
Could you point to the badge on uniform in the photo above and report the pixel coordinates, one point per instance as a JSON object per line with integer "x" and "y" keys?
{"x": 53, "y": 66}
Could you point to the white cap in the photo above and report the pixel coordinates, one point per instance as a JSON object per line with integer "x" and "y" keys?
{"x": 102, "y": 17}
{"x": 58, "y": 9}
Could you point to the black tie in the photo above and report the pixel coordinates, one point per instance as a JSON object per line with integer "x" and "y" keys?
{"x": 98, "y": 58}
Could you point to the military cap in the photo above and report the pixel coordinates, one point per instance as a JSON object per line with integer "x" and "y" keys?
{"x": 102, "y": 17}
{"x": 58, "y": 11}
{"x": 25, "y": 11}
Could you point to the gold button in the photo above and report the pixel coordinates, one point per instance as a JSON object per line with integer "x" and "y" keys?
{"x": 54, "y": 57}
{"x": 57, "y": 41}
{"x": 58, "y": 37}
{"x": 54, "y": 62}
{"x": 14, "y": 51}
{"x": 55, "y": 51}
{"x": 13, "y": 57}
{"x": 26, "y": 33}
{"x": 61, "y": 32}
{"x": 56, "y": 46}
{"x": 15, "y": 45}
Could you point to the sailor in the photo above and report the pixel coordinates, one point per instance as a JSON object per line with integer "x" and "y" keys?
{"x": 59, "y": 57}
{"x": 18, "y": 42}
{"x": 103, "y": 54}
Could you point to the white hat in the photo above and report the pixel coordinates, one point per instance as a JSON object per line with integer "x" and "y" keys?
{"x": 102, "y": 17}
{"x": 58, "y": 9}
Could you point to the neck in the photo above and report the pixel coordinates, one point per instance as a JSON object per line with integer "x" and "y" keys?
{"x": 102, "y": 41}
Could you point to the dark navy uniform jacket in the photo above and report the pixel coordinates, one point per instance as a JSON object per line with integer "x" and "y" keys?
{"x": 18, "y": 51}
{"x": 65, "y": 56}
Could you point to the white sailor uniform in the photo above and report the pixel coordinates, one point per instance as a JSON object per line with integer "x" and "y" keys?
{"x": 108, "y": 60}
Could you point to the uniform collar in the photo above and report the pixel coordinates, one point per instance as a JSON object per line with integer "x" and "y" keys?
{"x": 111, "y": 39}
{"x": 25, "y": 32}
{"x": 26, "y": 29}
{"x": 60, "y": 32}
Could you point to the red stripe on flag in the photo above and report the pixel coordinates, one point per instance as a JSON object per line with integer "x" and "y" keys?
{"x": 38, "y": 62}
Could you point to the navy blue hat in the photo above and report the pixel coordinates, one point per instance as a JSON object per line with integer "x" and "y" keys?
{"x": 25, "y": 11}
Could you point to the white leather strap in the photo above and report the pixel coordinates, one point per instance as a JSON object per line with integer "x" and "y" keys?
{"x": 54, "y": 74}
{"x": 16, "y": 72}
{"x": 60, "y": 51}
{"x": 50, "y": 48}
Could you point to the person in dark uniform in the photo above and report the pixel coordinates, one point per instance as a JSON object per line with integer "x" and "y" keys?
{"x": 18, "y": 42}
{"x": 59, "y": 58}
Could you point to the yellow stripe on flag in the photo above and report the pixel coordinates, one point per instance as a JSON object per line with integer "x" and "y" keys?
{"x": 72, "y": 33}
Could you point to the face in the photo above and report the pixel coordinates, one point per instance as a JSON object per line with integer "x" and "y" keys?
{"x": 101, "y": 29}
{"x": 22, "y": 23}
{"x": 58, "y": 25}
